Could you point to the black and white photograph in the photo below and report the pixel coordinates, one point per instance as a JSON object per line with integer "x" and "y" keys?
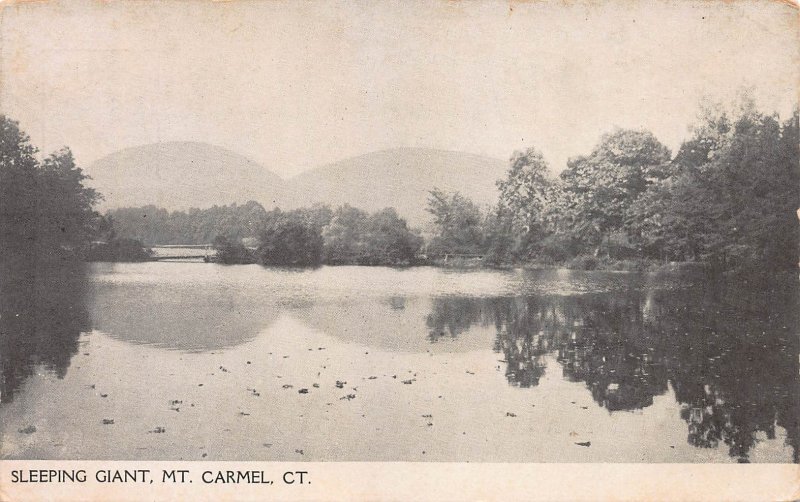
{"x": 385, "y": 231}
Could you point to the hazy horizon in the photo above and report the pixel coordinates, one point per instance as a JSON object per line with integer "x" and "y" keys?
{"x": 291, "y": 175}
{"x": 483, "y": 78}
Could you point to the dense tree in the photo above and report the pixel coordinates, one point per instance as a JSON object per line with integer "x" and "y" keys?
{"x": 18, "y": 188}
{"x": 600, "y": 188}
{"x": 232, "y": 252}
{"x": 344, "y": 236}
{"x": 499, "y": 243}
{"x": 292, "y": 238}
{"x": 355, "y": 237}
{"x": 709, "y": 135}
{"x": 154, "y": 225}
{"x": 738, "y": 208}
{"x": 728, "y": 198}
{"x": 523, "y": 199}
{"x": 390, "y": 242}
{"x": 45, "y": 210}
{"x": 318, "y": 216}
{"x": 458, "y": 224}
{"x": 64, "y": 206}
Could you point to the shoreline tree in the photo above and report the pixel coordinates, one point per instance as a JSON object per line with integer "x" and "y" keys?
{"x": 46, "y": 211}
{"x": 458, "y": 224}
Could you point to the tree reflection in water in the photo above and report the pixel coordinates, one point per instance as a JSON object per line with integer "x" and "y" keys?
{"x": 730, "y": 353}
{"x": 523, "y": 337}
{"x": 451, "y": 316}
{"x": 42, "y": 314}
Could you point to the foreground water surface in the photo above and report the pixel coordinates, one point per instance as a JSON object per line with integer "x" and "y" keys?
{"x": 208, "y": 362}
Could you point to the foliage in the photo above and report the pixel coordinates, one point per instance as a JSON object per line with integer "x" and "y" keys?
{"x": 45, "y": 210}
{"x": 232, "y": 252}
{"x": 292, "y": 238}
{"x": 599, "y": 189}
{"x": 728, "y": 198}
{"x": 458, "y": 222}
{"x": 524, "y": 196}
{"x": 389, "y": 239}
{"x": 738, "y": 208}
{"x": 355, "y": 237}
{"x": 155, "y": 225}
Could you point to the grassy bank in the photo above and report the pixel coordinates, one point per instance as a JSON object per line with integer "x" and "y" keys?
{"x": 585, "y": 262}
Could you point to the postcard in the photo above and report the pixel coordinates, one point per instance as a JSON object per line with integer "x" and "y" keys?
{"x": 385, "y": 250}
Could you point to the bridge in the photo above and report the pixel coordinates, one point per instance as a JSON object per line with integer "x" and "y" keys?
{"x": 180, "y": 257}
{"x": 174, "y": 255}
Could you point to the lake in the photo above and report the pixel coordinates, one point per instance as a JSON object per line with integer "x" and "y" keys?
{"x": 198, "y": 361}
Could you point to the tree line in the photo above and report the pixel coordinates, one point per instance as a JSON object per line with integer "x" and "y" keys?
{"x": 156, "y": 226}
{"x": 316, "y": 235}
{"x": 728, "y": 198}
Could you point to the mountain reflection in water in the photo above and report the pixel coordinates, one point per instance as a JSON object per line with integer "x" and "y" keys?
{"x": 729, "y": 354}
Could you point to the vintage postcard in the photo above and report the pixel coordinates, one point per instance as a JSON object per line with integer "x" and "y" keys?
{"x": 385, "y": 250}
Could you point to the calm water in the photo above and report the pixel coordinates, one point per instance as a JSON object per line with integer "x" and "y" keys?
{"x": 203, "y": 361}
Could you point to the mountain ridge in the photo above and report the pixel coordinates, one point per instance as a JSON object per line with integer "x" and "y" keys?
{"x": 398, "y": 177}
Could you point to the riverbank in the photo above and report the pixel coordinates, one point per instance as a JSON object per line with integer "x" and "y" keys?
{"x": 578, "y": 263}
{"x": 583, "y": 263}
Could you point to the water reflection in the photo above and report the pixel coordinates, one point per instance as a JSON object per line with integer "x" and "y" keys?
{"x": 730, "y": 354}
{"x": 522, "y": 337}
{"x": 42, "y": 314}
{"x": 610, "y": 349}
{"x": 453, "y": 316}
{"x": 180, "y": 316}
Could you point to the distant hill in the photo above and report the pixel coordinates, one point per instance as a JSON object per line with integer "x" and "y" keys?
{"x": 180, "y": 175}
{"x": 400, "y": 178}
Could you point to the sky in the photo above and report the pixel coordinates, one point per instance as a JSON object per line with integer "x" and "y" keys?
{"x": 295, "y": 85}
